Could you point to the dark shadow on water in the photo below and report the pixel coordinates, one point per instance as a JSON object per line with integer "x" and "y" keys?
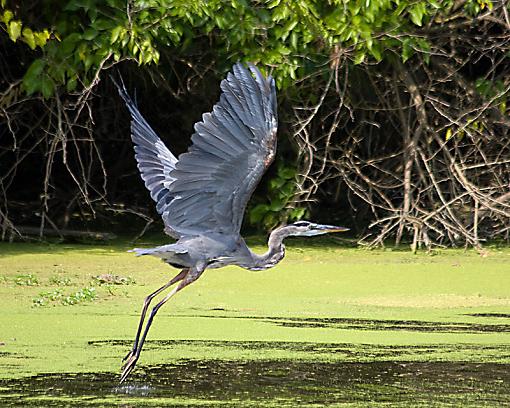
{"x": 271, "y": 383}
{"x": 408, "y": 325}
{"x": 344, "y": 351}
{"x": 373, "y": 324}
{"x": 491, "y": 315}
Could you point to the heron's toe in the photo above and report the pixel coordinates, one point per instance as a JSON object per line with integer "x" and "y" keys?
{"x": 125, "y": 373}
{"x": 128, "y": 356}
{"x": 128, "y": 367}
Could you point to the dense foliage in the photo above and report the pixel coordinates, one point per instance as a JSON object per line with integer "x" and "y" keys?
{"x": 88, "y": 33}
{"x": 380, "y": 101}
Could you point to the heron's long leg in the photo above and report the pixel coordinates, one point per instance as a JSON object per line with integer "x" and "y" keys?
{"x": 191, "y": 276}
{"x": 146, "y": 304}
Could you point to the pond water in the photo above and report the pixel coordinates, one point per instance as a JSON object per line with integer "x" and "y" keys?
{"x": 271, "y": 383}
{"x": 329, "y": 327}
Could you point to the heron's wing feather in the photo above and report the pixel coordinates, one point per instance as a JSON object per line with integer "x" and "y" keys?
{"x": 155, "y": 161}
{"x": 232, "y": 147}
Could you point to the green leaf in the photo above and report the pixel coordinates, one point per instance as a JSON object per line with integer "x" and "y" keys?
{"x": 71, "y": 84}
{"x": 287, "y": 173}
{"x": 287, "y": 191}
{"x": 400, "y": 8}
{"x": 276, "y": 183}
{"x": 47, "y": 87}
{"x": 35, "y": 68}
{"x": 417, "y": 13}
{"x": 92, "y": 12}
{"x": 14, "y": 30}
{"x": 28, "y": 36}
{"x": 41, "y": 38}
{"x": 359, "y": 57}
{"x": 69, "y": 43}
{"x": 115, "y": 34}
{"x": 58, "y": 73}
{"x": 277, "y": 204}
{"x": 90, "y": 34}
{"x": 435, "y": 3}
{"x": 270, "y": 220}
{"x": 366, "y": 34}
{"x": 73, "y": 5}
{"x": 288, "y": 28}
{"x": 376, "y": 52}
{"x": 7, "y": 16}
{"x": 424, "y": 47}
{"x": 294, "y": 40}
{"x": 89, "y": 61}
{"x": 258, "y": 212}
{"x": 407, "y": 49}
{"x": 155, "y": 56}
{"x": 32, "y": 78}
{"x": 103, "y": 24}
{"x": 297, "y": 213}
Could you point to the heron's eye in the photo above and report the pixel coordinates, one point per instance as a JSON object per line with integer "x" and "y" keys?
{"x": 301, "y": 224}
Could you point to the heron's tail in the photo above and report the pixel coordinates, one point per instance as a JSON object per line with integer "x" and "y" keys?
{"x": 163, "y": 252}
{"x": 143, "y": 251}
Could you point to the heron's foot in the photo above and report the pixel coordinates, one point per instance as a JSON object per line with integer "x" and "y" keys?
{"x": 128, "y": 355}
{"x": 128, "y": 366}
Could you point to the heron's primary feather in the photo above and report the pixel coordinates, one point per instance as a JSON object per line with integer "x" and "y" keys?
{"x": 232, "y": 147}
{"x": 208, "y": 188}
{"x": 155, "y": 161}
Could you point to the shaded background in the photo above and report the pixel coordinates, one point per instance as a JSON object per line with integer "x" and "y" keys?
{"x": 393, "y": 115}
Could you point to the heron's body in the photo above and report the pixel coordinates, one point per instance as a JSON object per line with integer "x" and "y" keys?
{"x": 202, "y": 195}
{"x": 215, "y": 251}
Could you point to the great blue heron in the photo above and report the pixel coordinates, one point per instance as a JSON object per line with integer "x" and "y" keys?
{"x": 202, "y": 195}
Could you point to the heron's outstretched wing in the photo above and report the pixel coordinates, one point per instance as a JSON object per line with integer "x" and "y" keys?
{"x": 155, "y": 161}
{"x": 232, "y": 147}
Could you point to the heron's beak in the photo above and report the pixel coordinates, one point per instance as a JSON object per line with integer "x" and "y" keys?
{"x": 331, "y": 228}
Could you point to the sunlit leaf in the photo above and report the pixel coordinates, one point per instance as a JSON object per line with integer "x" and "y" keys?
{"x": 7, "y": 16}
{"x": 14, "y": 30}
{"x": 41, "y": 38}
{"x": 28, "y": 36}
{"x": 417, "y": 12}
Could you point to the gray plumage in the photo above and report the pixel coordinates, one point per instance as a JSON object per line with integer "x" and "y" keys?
{"x": 202, "y": 196}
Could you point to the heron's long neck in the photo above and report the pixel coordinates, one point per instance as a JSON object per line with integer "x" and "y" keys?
{"x": 275, "y": 252}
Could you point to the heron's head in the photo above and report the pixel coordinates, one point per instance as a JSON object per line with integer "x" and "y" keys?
{"x": 310, "y": 229}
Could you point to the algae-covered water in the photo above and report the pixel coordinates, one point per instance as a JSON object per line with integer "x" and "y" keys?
{"x": 328, "y": 326}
